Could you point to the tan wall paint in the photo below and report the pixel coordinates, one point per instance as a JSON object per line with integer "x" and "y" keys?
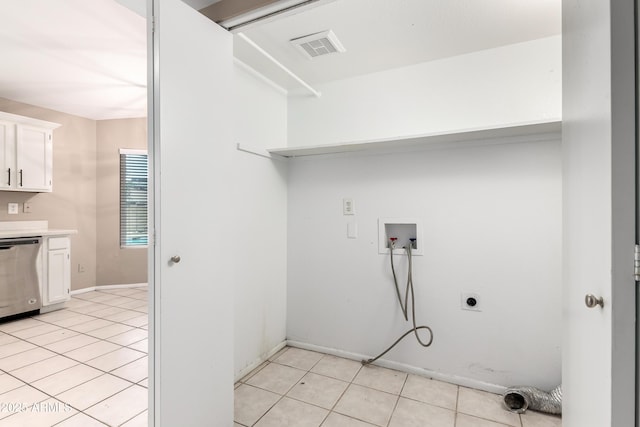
{"x": 116, "y": 265}
{"x": 85, "y": 194}
{"x": 72, "y": 204}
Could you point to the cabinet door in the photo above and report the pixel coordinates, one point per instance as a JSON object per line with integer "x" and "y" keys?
{"x": 58, "y": 276}
{"x": 35, "y": 159}
{"x": 7, "y": 155}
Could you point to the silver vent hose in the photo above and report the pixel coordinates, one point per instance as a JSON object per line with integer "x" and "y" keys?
{"x": 519, "y": 399}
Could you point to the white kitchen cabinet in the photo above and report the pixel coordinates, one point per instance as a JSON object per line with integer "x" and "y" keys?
{"x": 26, "y": 153}
{"x": 7, "y": 154}
{"x": 58, "y": 271}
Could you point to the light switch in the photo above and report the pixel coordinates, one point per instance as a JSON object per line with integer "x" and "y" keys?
{"x": 26, "y": 207}
{"x": 352, "y": 230}
{"x": 12, "y": 208}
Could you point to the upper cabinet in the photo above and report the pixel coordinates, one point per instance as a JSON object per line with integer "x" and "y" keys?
{"x": 26, "y": 153}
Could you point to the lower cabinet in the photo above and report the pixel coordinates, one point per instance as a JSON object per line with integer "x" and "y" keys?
{"x": 57, "y": 253}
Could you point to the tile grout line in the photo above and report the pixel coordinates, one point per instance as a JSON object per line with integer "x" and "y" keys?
{"x": 398, "y": 399}
{"x": 456, "y": 410}
{"x": 276, "y": 402}
{"x": 455, "y": 419}
{"x": 78, "y": 363}
{"x": 57, "y": 353}
{"x": 351, "y": 382}
{"x": 274, "y": 361}
{"x": 308, "y": 372}
{"x": 80, "y": 412}
{"x": 331, "y": 411}
{"x": 50, "y": 396}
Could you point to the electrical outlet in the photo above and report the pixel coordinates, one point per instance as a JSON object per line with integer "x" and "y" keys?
{"x": 12, "y": 208}
{"x": 80, "y": 268}
{"x": 348, "y": 208}
{"x": 470, "y": 301}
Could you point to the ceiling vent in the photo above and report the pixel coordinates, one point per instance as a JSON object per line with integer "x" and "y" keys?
{"x": 318, "y": 44}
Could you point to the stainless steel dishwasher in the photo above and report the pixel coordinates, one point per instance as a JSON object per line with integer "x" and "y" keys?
{"x": 19, "y": 281}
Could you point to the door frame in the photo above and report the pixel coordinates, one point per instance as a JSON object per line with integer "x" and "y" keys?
{"x": 153, "y": 129}
{"x": 637, "y": 204}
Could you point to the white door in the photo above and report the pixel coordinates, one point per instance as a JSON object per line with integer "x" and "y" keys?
{"x": 190, "y": 128}
{"x": 598, "y": 369}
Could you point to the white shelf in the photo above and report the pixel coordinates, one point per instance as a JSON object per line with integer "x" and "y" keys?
{"x": 513, "y": 133}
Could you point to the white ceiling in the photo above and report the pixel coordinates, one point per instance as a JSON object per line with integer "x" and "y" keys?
{"x": 383, "y": 34}
{"x": 88, "y": 58}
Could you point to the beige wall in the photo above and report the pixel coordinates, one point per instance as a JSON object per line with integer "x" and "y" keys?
{"x": 116, "y": 265}
{"x": 85, "y": 194}
{"x": 72, "y": 204}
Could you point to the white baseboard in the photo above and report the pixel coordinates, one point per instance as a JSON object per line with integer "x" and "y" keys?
{"x": 103, "y": 287}
{"x": 453, "y": 379}
{"x": 259, "y": 361}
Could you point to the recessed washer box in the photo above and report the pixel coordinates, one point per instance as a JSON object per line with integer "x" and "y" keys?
{"x": 403, "y": 229}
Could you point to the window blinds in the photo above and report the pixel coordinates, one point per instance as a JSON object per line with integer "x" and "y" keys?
{"x": 133, "y": 200}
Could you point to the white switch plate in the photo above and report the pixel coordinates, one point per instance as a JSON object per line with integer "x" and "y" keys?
{"x": 352, "y": 230}
{"x": 12, "y": 208}
{"x": 348, "y": 208}
{"x": 26, "y": 207}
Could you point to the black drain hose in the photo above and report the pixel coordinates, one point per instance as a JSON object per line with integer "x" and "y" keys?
{"x": 405, "y": 306}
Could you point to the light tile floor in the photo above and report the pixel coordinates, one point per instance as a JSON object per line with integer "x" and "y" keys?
{"x": 84, "y": 365}
{"x": 300, "y": 388}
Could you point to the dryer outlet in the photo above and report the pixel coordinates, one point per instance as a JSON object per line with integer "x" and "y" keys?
{"x": 470, "y": 301}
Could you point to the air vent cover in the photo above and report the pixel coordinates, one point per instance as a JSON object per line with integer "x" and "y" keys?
{"x": 318, "y": 44}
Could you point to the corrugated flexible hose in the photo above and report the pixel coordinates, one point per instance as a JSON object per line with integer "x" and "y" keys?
{"x": 519, "y": 399}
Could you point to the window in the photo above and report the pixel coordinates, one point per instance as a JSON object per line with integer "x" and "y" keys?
{"x": 133, "y": 198}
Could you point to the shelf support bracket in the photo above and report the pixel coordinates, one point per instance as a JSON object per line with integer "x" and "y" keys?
{"x": 280, "y": 65}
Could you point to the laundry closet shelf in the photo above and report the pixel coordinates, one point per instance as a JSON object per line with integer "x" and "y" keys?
{"x": 484, "y": 136}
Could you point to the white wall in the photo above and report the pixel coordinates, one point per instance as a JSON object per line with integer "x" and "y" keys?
{"x": 492, "y": 225}
{"x": 260, "y": 212}
{"x": 506, "y": 85}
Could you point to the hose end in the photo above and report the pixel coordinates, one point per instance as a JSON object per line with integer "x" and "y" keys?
{"x": 516, "y": 401}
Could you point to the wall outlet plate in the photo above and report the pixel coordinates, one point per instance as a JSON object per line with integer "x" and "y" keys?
{"x": 12, "y": 208}
{"x": 348, "y": 208}
{"x": 470, "y": 301}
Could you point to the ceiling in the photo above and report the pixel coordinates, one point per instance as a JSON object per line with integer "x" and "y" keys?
{"x": 384, "y": 34}
{"x": 88, "y": 58}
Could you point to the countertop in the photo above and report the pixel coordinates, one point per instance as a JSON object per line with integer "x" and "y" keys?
{"x": 11, "y": 229}
{"x": 7, "y": 234}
